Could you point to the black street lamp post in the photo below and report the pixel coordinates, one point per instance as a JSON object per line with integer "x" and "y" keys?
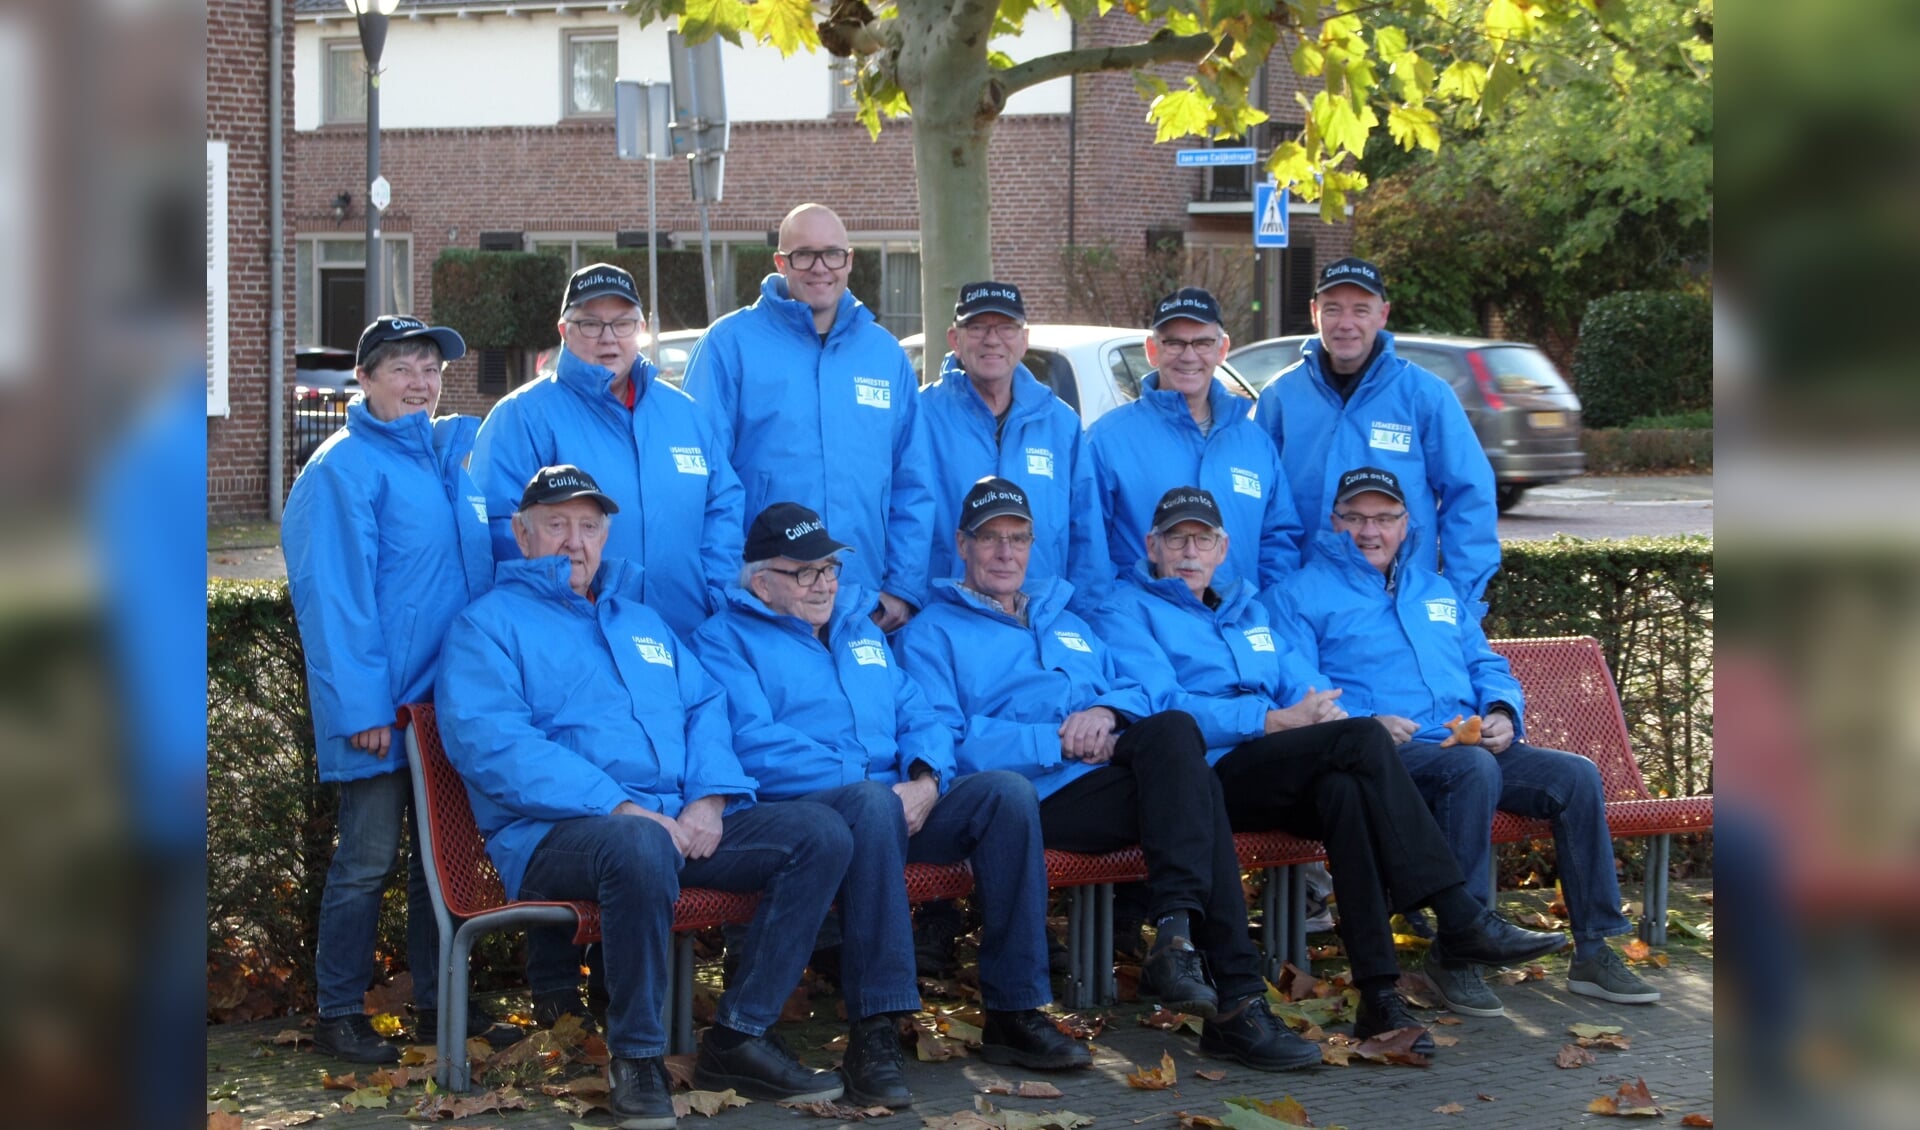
{"x": 372, "y": 16}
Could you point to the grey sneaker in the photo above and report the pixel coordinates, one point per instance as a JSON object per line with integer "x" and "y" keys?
{"x": 1460, "y": 986}
{"x": 1608, "y": 978}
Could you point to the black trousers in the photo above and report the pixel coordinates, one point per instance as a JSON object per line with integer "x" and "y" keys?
{"x": 1158, "y": 792}
{"x": 1342, "y": 783}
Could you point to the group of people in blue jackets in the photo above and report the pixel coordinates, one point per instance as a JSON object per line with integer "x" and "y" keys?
{"x": 804, "y": 623}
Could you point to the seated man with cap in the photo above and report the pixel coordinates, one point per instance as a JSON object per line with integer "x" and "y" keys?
{"x": 822, "y": 713}
{"x": 1369, "y": 615}
{"x": 599, "y": 760}
{"x": 1024, "y": 684}
{"x": 1304, "y": 768}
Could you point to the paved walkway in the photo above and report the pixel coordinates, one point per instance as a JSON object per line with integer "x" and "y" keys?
{"x": 1501, "y": 1073}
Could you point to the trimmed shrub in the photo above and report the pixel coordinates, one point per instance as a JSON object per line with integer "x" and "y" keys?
{"x": 1620, "y": 451}
{"x": 683, "y": 285}
{"x": 499, "y": 299}
{"x": 1644, "y": 353}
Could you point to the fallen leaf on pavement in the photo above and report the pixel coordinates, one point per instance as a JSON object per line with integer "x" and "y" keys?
{"x": 708, "y": 1103}
{"x": 367, "y": 1098}
{"x": 346, "y": 1082}
{"x": 1636, "y": 950}
{"x": 1539, "y": 921}
{"x": 1033, "y": 1089}
{"x": 1591, "y": 1030}
{"x": 1080, "y": 1027}
{"x": 1485, "y": 1098}
{"x": 293, "y": 1037}
{"x": 226, "y": 1120}
{"x": 280, "y": 1121}
{"x": 445, "y": 1105}
{"x": 1449, "y": 1021}
{"x": 1285, "y": 1110}
{"x": 844, "y": 1112}
{"x": 588, "y": 1089}
{"x": 1617, "y": 1043}
{"x": 1697, "y": 1119}
{"x": 391, "y": 1077}
{"x": 1573, "y": 1055}
{"x": 1191, "y": 1121}
{"x": 1163, "y": 1019}
{"x": 1045, "y": 1120}
{"x": 1211, "y": 1076}
{"x": 1418, "y": 991}
{"x": 680, "y": 1070}
{"x": 1632, "y": 1100}
{"x": 386, "y": 1024}
{"x": 1336, "y": 1055}
{"x": 1516, "y": 976}
{"x": 1155, "y": 1078}
{"x": 1449, "y": 1108}
{"x": 1440, "y": 1041}
{"x": 418, "y": 1056}
{"x": 1393, "y": 1046}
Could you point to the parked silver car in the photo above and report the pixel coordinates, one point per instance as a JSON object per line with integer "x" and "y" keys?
{"x": 1093, "y": 368}
{"x": 676, "y": 347}
{"x": 1526, "y": 416}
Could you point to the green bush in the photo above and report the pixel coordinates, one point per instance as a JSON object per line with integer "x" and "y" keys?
{"x": 1625, "y": 451}
{"x": 1701, "y": 418}
{"x": 683, "y": 285}
{"x": 1644, "y": 353}
{"x": 499, "y": 299}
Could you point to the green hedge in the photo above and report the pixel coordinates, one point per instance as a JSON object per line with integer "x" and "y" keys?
{"x": 1622, "y": 451}
{"x": 270, "y": 822}
{"x": 1644, "y": 353}
{"x": 499, "y": 299}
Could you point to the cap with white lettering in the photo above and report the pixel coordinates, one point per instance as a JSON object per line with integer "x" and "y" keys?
{"x": 790, "y": 530}
{"x": 993, "y": 497}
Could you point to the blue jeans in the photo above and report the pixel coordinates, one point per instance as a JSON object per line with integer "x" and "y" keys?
{"x": 795, "y": 853}
{"x": 990, "y": 819}
{"x": 373, "y": 813}
{"x": 1464, "y": 784}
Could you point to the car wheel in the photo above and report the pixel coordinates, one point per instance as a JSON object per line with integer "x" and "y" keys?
{"x": 1508, "y": 496}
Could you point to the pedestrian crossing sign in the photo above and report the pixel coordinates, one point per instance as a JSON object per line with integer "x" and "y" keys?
{"x": 1269, "y": 215}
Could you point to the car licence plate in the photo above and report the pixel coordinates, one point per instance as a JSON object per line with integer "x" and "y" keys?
{"x": 1545, "y": 420}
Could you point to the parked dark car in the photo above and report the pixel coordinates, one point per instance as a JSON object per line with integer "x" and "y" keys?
{"x": 324, "y": 382}
{"x": 1526, "y": 416}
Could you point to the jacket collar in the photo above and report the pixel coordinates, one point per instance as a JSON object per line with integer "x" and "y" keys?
{"x": 1234, "y": 596}
{"x": 850, "y": 604}
{"x": 798, "y": 316}
{"x": 1046, "y": 597}
{"x": 1173, "y": 405}
{"x": 545, "y": 578}
{"x": 592, "y": 381}
{"x": 1338, "y": 550}
{"x": 1313, "y": 353}
{"x": 412, "y": 433}
{"x": 1029, "y": 395}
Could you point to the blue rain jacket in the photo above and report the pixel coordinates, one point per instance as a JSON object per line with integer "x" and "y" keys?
{"x": 385, "y": 537}
{"x": 834, "y": 426}
{"x": 1043, "y": 449}
{"x": 1224, "y": 665}
{"x": 1004, "y": 687}
{"x": 1401, "y": 418}
{"x": 553, "y": 707}
{"x": 1411, "y": 648}
{"x": 680, "y": 503}
{"x": 809, "y": 715}
{"x": 1144, "y": 449}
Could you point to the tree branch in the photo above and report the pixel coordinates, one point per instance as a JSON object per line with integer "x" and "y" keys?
{"x": 1161, "y": 48}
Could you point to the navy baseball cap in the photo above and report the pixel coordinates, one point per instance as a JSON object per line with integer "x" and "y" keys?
{"x": 563, "y": 482}
{"x": 395, "y": 327}
{"x": 1186, "y": 504}
{"x": 993, "y": 497}
{"x": 1360, "y": 480}
{"x": 1353, "y": 272}
{"x": 788, "y": 529}
{"x": 1187, "y": 302}
{"x": 599, "y": 280}
{"x": 989, "y": 298}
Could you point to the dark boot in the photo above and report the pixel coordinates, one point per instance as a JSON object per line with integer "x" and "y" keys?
{"x": 760, "y": 1067}
{"x": 1249, "y": 1033}
{"x": 1383, "y": 1011}
{"x": 1175, "y": 974}
{"x": 1026, "y": 1038}
{"x": 1495, "y": 941}
{"x": 640, "y": 1094}
{"x": 872, "y": 1068}
{"x": 352, "y": 1038}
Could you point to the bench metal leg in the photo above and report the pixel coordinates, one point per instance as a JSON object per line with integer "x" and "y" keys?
{"x": 1106, "y": 991}
{"x": 1079, "y": 920}
{"x": 1296, "y": 914}
{"x": 1273, "y": 937}
{"x": 456, "y": 1073}
{"x": 1653, "y": 919}
{"x": 679, "y": 1017}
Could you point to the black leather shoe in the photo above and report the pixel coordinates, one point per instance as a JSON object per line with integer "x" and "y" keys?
{"x": 497, "y": 1033}
{"x": 1250, "y": 1034}
{"x": 548, "y": 1008}
{"x": 872, "y": 1067}
{"x": 1383, "y": 1012}
{"x": 761, "y": 1067}
{"x": 640, "y": 1094}
{"x": 1028, "y": 1039}
{"x": 1174, "y": 973}
{"x": 353, "y": 1039}
{"x": 1496, "y": 941}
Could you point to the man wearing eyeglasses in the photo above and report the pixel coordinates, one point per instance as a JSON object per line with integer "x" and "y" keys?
{"x": 605, "y": 407}
{"x": 987, "y": 415}
{"x": 1025, "y": 684}
{"x": 1187, "y": 428}
{"x": 1290, "y": 758}
{"x": 1351, "y": 400}
{"x": 811, "y": 397}
{"x": 1370, "y": 614}
{"x": 822, "y": 712}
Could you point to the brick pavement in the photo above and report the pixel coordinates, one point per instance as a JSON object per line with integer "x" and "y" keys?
{"x": 1510, "y": 1059}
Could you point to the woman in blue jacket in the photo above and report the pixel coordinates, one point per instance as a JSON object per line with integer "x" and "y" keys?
{"x": 386, "y": 541}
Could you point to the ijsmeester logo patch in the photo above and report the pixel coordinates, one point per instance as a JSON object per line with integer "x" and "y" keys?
{"x": 1039, "y": 461}
{"x": 1390, "y": 437}
{"x": 653, "y": 651}
{"x": 1247, "y": 482}
{"x": 479, "y": 504}
{"x": 872, "y": 392}
{"x": 1074, "y": 641}
{"x": 1259, "y": 639}
{"x": 689, "y": 460}
{"x": 1443, "y": 610}
{"x": 868, "y": 653}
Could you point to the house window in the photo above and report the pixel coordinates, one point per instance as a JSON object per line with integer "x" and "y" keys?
{"x": 587, "y": 73}
{"x": 344, "y": 80}
{"x": 886, "y": 276}
{"x": 329, "y": 287}
{"x": 840, "y": 79}
{"x": 577, "y": 250}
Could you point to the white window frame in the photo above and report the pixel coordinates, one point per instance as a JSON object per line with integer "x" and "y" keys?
{"x": 328, "y": 89}
{"x": 569, "y": 37}
{"x": 840, "y": 73}
{"x": 218, "y": 359}
{"x": 307, "y": 290}
{"x": 544, "y": 242}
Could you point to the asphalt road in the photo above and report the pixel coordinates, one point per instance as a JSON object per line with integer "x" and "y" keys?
{"x": 1598, "y": 506}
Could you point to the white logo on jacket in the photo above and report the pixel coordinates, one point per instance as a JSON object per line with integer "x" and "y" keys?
{"x": 689, "y": 460}
{"x": 1246, "y": 482}
{"x": 1391, "y": 437}
{"x": 868, "y": 653}
{"x": 1443, "y": 610}
{"x": 1259, "y": 639}
{"x": 653, "y": 651}
{"x": 1074, "y": 641}
{"x": 1039, "y": 461}
{"x": 479, "y": 504}
{"x": 872, "y": 392}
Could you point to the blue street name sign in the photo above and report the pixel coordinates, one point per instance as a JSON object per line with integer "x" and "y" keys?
{"x": 1269, "y": 216}
{"x": 1187, "y": 157}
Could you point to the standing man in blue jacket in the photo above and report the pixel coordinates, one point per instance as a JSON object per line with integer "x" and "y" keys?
{"x": 1024, "y": 684}
{"x": 1350, "y": 402}
{"x": 1186, "y": 428}
{"x": 599, "y": 760}
{"x": 1290, "y": 758}
{"x": 987, "y": 415}
{"x": 606, "y": 407}
{"x": 822, "y": 712}
{"x": 386, "y": 541}
{"x": 810, "y": 397}
{"x": 1370, "y": 614}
